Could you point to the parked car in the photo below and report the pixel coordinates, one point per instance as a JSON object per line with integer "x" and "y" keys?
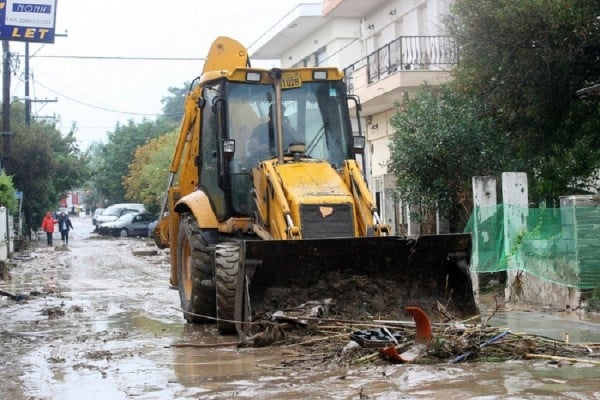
{"x": 129, "y": 224}
{"x": 112, "y": 213}
{"x": 151, "y": 227}
{"x": 153, "y": 224}
{"x": 98, "y": 211}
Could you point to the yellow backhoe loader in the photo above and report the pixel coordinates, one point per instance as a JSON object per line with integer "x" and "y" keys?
{"x": 267, "y": 205}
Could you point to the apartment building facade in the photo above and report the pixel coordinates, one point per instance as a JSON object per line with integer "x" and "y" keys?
{"x": 386, "y": 48}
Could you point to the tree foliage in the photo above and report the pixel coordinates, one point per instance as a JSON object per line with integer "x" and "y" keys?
{"x": 525, "y": 59}
{"x": 115, "y": 156}
{"x": 149, "y": 170}
{"x": 8, "y": 194}
{"x": 442, "y": 138}
{"x": 174, "y": 103}
{"x": 511, "y": 107}
{"x": 43, "y": 164}
{"x": 93, "y": 196}
{"x": 110, "y": 162}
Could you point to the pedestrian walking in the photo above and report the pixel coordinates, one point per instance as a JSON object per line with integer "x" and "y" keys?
{"x": 64, "y": 225}
{"x": 48, "y": 226}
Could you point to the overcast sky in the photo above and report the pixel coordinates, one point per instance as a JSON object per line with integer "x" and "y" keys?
{"x": 97, "y": 93}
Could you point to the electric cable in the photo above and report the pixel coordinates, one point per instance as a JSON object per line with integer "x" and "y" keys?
{"x": 83, "y": 103}
{"x": 124, "y": 58}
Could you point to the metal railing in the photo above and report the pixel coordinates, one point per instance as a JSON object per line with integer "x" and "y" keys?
{"x": 406, "y": 53}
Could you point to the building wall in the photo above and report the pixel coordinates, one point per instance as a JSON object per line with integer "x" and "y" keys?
{"x": 399, "y": 18}
{"x": 403, "y": 18}
{"x": 338, "y": 38}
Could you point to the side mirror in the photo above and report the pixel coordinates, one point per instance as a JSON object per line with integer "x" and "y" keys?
{"x": 228, "y": 148}
{"x": 358, "y": 144}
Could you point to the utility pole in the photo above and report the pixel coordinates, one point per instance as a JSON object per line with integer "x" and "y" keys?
{"x": 6, "y": 133}
{"x": 28, "y": 100}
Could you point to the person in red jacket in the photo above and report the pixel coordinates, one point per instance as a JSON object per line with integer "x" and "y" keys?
{"x": 48, "y": 226}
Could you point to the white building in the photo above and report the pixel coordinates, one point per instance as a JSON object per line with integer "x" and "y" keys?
{"x": 385, "y": 47}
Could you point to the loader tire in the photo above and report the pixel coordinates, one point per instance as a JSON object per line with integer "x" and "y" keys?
{"x": 227, "y": 265}
{"x": 194, "y": 273}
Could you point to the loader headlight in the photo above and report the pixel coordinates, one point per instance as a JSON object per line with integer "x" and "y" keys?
{"x": 228, "y": 146}
{"x": 253, "y": 76}
{"x": 320, "y": 75}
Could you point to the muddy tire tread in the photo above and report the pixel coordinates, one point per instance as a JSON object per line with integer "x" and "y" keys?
{"x": 202, "y": 298}
{"x": 227, "y": 264}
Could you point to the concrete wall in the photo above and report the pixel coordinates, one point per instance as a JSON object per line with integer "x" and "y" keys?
{"x": 7, "y": 235}
{"x": 523, "y": 288}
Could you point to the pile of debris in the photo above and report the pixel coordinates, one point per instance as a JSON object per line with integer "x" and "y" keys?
{"x": 319, "y": 339}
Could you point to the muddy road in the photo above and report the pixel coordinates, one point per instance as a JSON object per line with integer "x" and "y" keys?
{"x": 100, "y": 322}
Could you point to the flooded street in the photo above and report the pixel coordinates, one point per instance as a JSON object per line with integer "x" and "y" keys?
{"x": 100, "y": 322}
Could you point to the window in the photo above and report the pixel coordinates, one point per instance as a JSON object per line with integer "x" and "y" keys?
{"x": 320, "y": 56}
{"x": 313, "y": 114}
{"x": 209, "y": 178}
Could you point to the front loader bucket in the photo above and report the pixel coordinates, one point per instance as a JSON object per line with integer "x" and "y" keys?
{"x": 375, "y": 276}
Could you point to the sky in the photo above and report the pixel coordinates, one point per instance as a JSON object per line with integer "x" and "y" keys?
{"x": 96, "y": 91}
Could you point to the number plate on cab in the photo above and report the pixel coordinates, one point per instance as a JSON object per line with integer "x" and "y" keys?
{"x": 290, "y": 80}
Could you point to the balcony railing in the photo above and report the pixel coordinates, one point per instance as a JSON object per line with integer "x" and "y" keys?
{"x": 407, "y": 53}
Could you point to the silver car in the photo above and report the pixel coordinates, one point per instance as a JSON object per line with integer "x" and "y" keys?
{"x": 130, "y": 224}
{"x": 112, "y": 213}
{"x": 97, "y": 213}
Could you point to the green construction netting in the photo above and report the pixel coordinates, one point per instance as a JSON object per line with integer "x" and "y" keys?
{"x": 561, "y": 245}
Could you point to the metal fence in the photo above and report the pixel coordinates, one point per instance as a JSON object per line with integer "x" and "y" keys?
{"x": 407, "y": 53}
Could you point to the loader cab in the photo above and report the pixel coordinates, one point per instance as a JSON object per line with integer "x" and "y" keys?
{"x": 314, "y": 114}
{"x": 316, "y": 126}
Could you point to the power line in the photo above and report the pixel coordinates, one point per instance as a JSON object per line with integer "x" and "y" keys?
{"x": 135, "y": 58}
{"x": 87, "y": 104}
{"x": 96, "y": 106}
{"x": 73, "y": 57}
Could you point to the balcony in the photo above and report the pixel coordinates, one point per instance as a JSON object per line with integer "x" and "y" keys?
{"x": 407, "y": 62}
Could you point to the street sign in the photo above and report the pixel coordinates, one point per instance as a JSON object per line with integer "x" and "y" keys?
{"x": 28, "y": 20}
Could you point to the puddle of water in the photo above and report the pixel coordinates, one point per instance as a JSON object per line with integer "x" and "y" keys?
{"x": 69, "y": 386}
{"x": 194, "y": 365}
{"x": 137, "y": 321}
{"x": 557, "y": 327}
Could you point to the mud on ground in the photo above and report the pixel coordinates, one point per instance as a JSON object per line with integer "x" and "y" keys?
{"x": 98, "y": 321}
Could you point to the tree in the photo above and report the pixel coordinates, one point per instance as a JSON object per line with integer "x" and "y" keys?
{"x": 8, "y": 194}
{"x": 173, "y": 105}
{"x": 149, "y": 170}
{"x": 442, "y": 138}
{"x": 110, "y": 161}
{"x": 525, "y": 59}
{"x": 44, "y": 165}
{"x": 115, "y": 156}
{"x": 93, "y": 196}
